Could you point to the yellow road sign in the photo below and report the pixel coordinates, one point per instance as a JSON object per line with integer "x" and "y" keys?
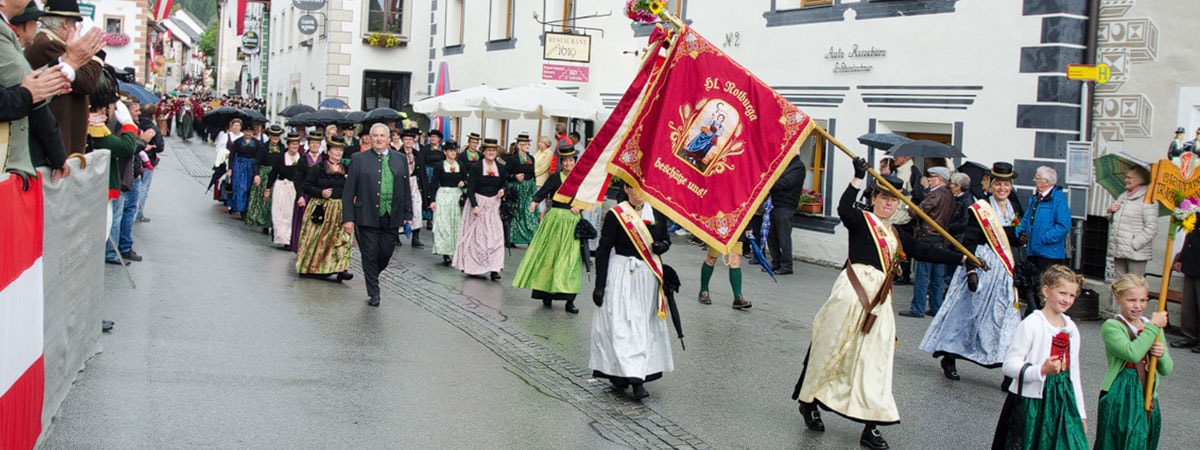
{"x": 1099, "y": 73}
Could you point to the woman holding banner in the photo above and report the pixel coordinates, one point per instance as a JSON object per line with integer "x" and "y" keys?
{"x": 848, "y": 368}
{"x": 553, "y": 265}
{"x": 630, "y": 344}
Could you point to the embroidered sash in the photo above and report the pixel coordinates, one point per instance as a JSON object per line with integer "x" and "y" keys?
{"x": 879, "y": 233}
{"x": 993, "y": 228}
{"x": 631, "y": 222}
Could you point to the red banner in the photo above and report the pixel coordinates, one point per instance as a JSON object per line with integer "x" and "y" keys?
{"x": 708, "y": 141}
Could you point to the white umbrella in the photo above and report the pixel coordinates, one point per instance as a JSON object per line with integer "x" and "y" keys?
{"x": 465, "y": 103}
{"x": 539, "y": 102}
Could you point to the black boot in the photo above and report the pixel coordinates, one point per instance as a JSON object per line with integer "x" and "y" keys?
{"x": 344, "y": 276}
{"x": 416, "y": 239}
{"x": 812, "y": 417}
{"x": 571, "y": 307}
{"x": 495, "y": 276}
{"x": 872, "y": 439}
{"x": 446, "y": 260}
{"x": 948, "y": 368}
{"x": 639, "y": 391}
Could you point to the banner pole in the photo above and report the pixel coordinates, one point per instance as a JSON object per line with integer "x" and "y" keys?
{"x": 1163, "y": 287}
{"x": 903, "y": 198}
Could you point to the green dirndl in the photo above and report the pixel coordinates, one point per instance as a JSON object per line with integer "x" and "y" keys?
{"x": 1051, "y": 422}
{"x": 258, "y": 210}
{"x": 553, "y": 263}
{"x": 324, "y": 247}
{"x": 446, "y": 220}
{"x": 1122, "y": 422}
{"x": 185, "y": 126}
{"x": 524, "y": 224}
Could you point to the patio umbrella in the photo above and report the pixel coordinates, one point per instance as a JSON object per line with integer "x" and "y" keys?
{"x": 220, "y": 117}
{"x": 456, "y": 104}
{"x": 882, "y": 141}
{"x": 333, "y": 103}
{"x": 138, "y": 92}
{"x": 539, "y": 102}
{"x": 1111, "y": 169}
{"x": 298, "y": 120}
{"x": 298, "y": 108}
{"x": 252, "y": 115}
{"x": 925, "y": 149}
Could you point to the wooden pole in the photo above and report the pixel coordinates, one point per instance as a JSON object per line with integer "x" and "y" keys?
{"x": 911, "y": 206}
{"x": 538, "y": 137}
{"x": 1152, "y": 367}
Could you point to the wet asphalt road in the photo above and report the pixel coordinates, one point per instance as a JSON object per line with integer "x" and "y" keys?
{"x": 222, "y": 346}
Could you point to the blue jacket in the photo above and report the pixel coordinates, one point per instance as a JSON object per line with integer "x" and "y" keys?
{"x": 1048, "y": 229}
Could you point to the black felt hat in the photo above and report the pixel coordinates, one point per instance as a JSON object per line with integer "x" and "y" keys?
{"x": 1003, "y": 171}
{"x": 450, "y": 144}
{"x": 275, "y": 130}
{"x": 336, "y": 141}
{"x": 293, "y": 136}
{"x": 893, "y": 180}
{"x": 31, "y": 13}
{"x": 316, "y": 135}
{"x": 566, "y": 150}
{"x": 490, "y": 143}
{"x": 437, "y": 133}
{"x": 474, "y": 136}
{"x": 62, "y": 8}
{"x": 409, "y": 132}
{"x": 523, "y": 137}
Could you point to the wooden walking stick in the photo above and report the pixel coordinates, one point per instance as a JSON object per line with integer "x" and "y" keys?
{"x": 1168, "y": 186}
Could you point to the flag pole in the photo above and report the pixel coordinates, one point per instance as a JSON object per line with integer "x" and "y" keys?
{"x": 1155, "y": 179}
{"x": 903, "y": 198}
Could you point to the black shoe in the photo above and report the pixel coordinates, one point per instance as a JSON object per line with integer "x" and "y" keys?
{"x": 115, "y": 262}
{"x": 787, "y": 271}
{"x": 619, "y": 383}
{"x": 1185, "y": 343}
{"x": 142, "y": 219}
{"x": 547, "y": 302}
{"x": 949, "y": 370}
{"x": 639, "y": 391}
{"x": 911, "y": 314}
{"x": 373, "y": 301}
{"x": 571, "y": 307}
{"x": 775, "y": 267}
{"x": 417, "y": 244}
{"x": 931, "y": 313}
{"x": 812, "y": 417}
{"x": 510, "y": 245}
{"x": 446, "y": 260}
{"x": 131, "y": 256}
{"x": 106, "y": 326}
{"x": 495, "y": 276}
{"x": 872, "y": 439}
{"x": 344, "y": 276}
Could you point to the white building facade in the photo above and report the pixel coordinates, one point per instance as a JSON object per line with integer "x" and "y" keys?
{"x": 125, "y": 23}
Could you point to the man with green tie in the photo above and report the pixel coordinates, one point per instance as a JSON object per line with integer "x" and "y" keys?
{"x": 379, "y": 203}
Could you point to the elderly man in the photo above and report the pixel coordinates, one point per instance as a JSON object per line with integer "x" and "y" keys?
{"x": 938, "y": 204}
{"x": 378, "y": 203}
{"x": 1047, "y": 221}
{"x": 54, "y": 44}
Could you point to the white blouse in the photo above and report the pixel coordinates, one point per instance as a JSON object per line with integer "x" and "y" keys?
{"x": 1031, "y": 344}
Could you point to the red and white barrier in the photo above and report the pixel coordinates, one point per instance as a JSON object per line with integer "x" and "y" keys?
{"x": 22, "y": 371}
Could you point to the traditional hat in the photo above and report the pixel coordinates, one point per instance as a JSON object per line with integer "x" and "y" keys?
{"x": 293, "y": 136}
{"x": 523, "y": 137}
{"x": 450, "y": 144}
{"x": 893, "y": 180}
{"x": 1002, "y": 171}
{"x": 1180, "y": 130}
{"x": 316, "y": 135}
{"x": 474, "y": 136}
{"x": 275, "y": 130}
{"x": 409, "y": 132}
{"x": 31, "y": 13}
{"x": 63, "y": 8}
{"x": 336, "y": 141}
{"x": 437, "y": 133}
{"x": 938, "y": 171}
{"x": 489, "y": 143}
{"x": 566, "y": 150}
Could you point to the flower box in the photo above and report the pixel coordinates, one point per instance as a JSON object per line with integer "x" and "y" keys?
{"x": 384, "y": 40}
{"x": 116, "y": 39}
{"x": 810, "y": 208}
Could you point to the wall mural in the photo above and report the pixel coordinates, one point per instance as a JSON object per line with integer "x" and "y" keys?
{"x": 1123, "y": 43}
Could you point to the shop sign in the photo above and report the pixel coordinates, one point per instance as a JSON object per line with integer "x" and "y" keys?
{"x": 559, "y": 72}
{"x": 308, "y": 5}
{"x": 307, "y": 24}
{"x": 853, "y": 60}
{"x": 568, "y": 47}
{"x": 250, "y": 43}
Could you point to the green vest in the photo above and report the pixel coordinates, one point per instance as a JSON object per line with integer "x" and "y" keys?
{"x": 13, "y": 68}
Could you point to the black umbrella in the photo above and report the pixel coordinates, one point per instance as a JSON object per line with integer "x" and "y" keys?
{"x": 252, "y": 115}
{"x": 296, "y": 109}
{"x": 882, "y": 141}
{"x": 325, "y": 117}
{"x": 298, "y": 120}
{"x": 356, "y": 117}
{"x": 378, "y": 115}
{"x": 975, "y": 171}
{"x": 220, "y": 117}
{"x": 925, "y": 149}
{"x": 670, "y": 287}
{"x": 218, "y": 172}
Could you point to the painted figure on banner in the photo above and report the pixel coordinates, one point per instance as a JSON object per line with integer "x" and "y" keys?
{"x": 706, "y": 135}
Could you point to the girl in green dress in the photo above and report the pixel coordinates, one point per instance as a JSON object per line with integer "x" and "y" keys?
{"x": 524, "y": 223}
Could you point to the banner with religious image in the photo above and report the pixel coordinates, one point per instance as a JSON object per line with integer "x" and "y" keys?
{"x": 707, "y": 140}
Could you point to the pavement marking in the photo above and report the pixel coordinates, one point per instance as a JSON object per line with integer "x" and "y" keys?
{"x": 188, "y": 159}
{"x": 614, "y": 417}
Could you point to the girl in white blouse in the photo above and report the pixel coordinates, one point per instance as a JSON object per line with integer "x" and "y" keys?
{"x": 1044, "y": 408}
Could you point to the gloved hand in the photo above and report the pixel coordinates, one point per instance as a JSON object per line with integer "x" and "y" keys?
{"x": 598, "y": 296}
{"x": 660, "y": 247}
{"x": 122, "y": 113}
{"x": 860, "y": 167}
{"x": 1024, "y": 238}
{"x": 971, "y": 265}
{"x": 972, "y": 281}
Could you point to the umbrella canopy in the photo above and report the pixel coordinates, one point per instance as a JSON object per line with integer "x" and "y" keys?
{"x": 138, "y": 92}
{"x": 882, "y": 141}
{"x": 355, "y": 117}
{"x": 325, "y": 117}
{"x": 382, "y": 115}
{"x": 252, "y": 115}
{"x": 464, "y": 103}
{"x": 220, "y": 117}
{"x": 298, "y": 108}
{"x": 333, "y": 103}
{"x": 975, "y": 171}
{"x": 538, "y": 101}
{"x": 298, "y": 120}
{"x": 1111, "y": 169}
{"x": 925, "y": 149}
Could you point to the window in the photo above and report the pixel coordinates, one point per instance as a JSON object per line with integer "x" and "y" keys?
{"x": 812, "y": 152}
{"x": 502, "y": 20}
{"x": 454, "y": 23}
{"x": 385, "y": 16}
{"x": 807, "y": 3}
{"x": 385, "y": 89}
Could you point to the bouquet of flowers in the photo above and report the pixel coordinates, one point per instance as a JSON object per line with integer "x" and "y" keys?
{"x": 1184, "y": 215}
{"x": 644, "y": 11}
{"x": 382, "y": 40}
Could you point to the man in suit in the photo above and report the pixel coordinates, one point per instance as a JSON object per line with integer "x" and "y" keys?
{"x": 53, "y": 45}
{"x": 376, "y": 203}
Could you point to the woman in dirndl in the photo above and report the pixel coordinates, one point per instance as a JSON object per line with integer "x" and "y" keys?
{"x": 553, "y": 265}
{"x": 418, "y": 185}
{"x": 243, "y": 155}
{"x": 480, "y": 247}
{"x": 258, "y": 208}
{"x": 287, "y": 172}
{"x": 521, "y": 168}
{"x": 324, "y": 246}
{"x": 630, "y": 345}
{"x": 310, "y": 158}
{"x": 981, "y": 310}
{"x": 448, "y": 179}
{"x": 848, "y": 368}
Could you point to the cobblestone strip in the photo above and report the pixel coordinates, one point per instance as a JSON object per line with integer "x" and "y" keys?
{"x": 614, "y": 417}
{"x": 188, "y": 159}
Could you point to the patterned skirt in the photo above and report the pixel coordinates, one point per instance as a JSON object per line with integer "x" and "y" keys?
{"x": 243, "y": 177}
{"x": 480, "y": 247}
{"x": 283, "y": 203}
{"x": 324, "y": 247}
{"x": 447, "y": 219}
{"x": 976, "y": 326}
{"x": 524, "y": 224}
{"x": 258, "y": 209}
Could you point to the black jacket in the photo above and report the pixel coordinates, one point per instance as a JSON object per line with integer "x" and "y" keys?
{"x": 147, "y": 123}
{"x": 319, "y": 178}
{"x": 362, "y": 190}
{"x": 786, "y": 191}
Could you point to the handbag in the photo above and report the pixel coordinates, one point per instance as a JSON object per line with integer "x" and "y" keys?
{"x": 318, "y": 214}
{"x": 585, "y": 230}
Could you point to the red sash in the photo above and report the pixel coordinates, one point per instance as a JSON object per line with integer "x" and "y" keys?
{"x": 879, "y": 233}
{"x": 994, "y": 230}
{"x": 631, "y": 222}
